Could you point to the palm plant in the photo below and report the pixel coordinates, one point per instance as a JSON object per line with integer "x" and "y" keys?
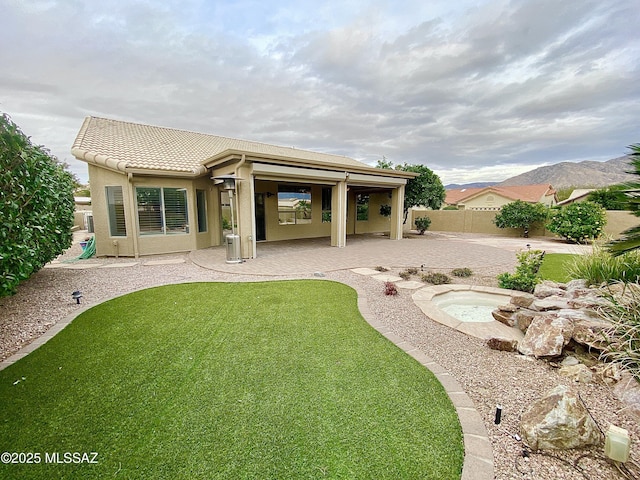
{"x": 630, "y": 239}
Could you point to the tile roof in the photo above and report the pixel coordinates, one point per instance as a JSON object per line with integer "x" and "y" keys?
{"x": 527, "y": 193}
{"x": 122, "y": 145}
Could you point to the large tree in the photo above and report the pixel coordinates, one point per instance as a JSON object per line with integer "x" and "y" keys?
{"x": 630, "y": 239}
{"x": 424, "y": 190}
{"x": 520, "y": 214}
{"x": 36, "y": 207}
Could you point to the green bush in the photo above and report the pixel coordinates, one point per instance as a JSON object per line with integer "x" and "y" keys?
{"x": 526, "y": 276}
{"x": 422, "y": 224}
{"x": 36, "y": 207}
{"x": 462, "y": 272}
{"x": 520, "y": 214}
{"x": 405, "y": 275}
{"x": 435, "y": 278}
{"x": 579, "y": 221}
{"x": 623, "y": 337}
{"x": 600, "y": 266}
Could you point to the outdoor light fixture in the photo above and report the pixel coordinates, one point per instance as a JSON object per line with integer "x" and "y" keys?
{"x": 228, "y": 182}
{"x": 528, "y": 246}
{"x": 617, "y": 444}
{"x": 77, "y": 295}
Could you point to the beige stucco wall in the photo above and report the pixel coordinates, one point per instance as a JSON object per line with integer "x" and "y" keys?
{"x": 107, "y": 245}
{"x": 469, "y": 221}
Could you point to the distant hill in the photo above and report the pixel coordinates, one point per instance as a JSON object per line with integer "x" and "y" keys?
{"x": 456, "y": 186}
{"x": 585, "y": 174}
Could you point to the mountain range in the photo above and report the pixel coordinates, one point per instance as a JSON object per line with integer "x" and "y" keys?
{"x": 586, "y": 174}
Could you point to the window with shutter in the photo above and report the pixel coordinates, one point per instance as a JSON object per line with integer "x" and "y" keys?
{"x": 162, "y": 210}
{"x": 115, "y": 209}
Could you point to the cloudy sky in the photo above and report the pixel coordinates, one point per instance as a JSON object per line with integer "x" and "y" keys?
{"x": 476, "y": 90}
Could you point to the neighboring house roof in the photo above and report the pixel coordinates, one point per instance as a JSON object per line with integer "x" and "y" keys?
{"x": 577, "y": 194}
{"x": 526, "y": 193}
{"x": 125, "y": 146}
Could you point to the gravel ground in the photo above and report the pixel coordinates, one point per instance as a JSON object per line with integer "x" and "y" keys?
{"x": 489, "y": 377}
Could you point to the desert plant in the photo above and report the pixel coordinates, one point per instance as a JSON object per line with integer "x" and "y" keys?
{"x": 422, "y": 224}
{"x": 405, "y": 275}
{"x": 623, "y": 337}
{"x": 462, "y": 272}
{"x": 381, "y": 269}
{"x": 520, "y": 214}
{"x": 526, "y": 276}
{"x": 412, "y": 270}
{"x": 435, "y": 278}
{"x": 600, "y": 266}
{"x": 578, "y": 222}
{"x": 390, "y": 288}
{"x": 630, "y": 239}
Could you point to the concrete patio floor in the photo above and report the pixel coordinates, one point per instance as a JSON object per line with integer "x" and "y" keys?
{"x": 434, "y": 250}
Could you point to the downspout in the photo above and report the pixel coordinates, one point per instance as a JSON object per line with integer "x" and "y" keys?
{"x": 134, "y": 223}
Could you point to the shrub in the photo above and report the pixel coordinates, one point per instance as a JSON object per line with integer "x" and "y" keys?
{"x": 462, "y": 272}
{"x": 381, "y": 269}
{"x": 390, "y": 288}
{"x": 623, "y": 337}
{"x": 526, "y": 276}
{"x": 600, "y": 266}
{"x": 36, "y": 207}
{"x": 226, "y": 224}
{"x": 435, "y": 278}
{"x": 405, "y": 275}
{"x": 422, "y": 224}
{"x": 412, "y": 270}
{"x": 578, "y": 221}
{"x": 385, "y": 210}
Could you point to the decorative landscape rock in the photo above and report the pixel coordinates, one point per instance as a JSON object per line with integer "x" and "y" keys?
{"x": 559, "y": 420}
{"x": 524, "y": 317}
{"x": 547, "y": 289}
{"x": 578, "y": 373}
{"x": 591, "y": 332}
{"x": 502, "y": 344}
{"x": 627, "y": 390}
{"x": 546, "y": 336}
{"x": 523, "y": 300}
{"x": 504, "y": 314}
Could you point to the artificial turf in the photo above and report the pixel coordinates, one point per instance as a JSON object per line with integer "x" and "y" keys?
{"x": 228, "y": 380}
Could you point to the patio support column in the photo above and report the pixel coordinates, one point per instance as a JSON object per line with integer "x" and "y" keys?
{"x": 339, "y": 214}
{"x": 397, "y": 211}
{"x": 243, "y": 203}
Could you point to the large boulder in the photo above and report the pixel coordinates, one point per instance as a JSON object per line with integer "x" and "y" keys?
{"x": 591, "y": 332}
{"x": 559, "y": 420}
{"x": 546, "y": 336}
{"x": 522, "y": 299}
{"x": 548, "y": 289}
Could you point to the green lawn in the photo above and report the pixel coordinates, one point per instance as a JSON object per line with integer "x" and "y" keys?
{"x": 228, "y": 381}
{"x": 554, "y": 267}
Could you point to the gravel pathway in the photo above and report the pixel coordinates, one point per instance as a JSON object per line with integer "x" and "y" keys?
{"x": 489, "y": 377}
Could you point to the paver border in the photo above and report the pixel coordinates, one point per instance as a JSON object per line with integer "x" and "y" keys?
{"x": 478, "y": 451}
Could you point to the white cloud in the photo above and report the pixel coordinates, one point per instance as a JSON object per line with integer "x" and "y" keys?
{"x": 485, "y": 88}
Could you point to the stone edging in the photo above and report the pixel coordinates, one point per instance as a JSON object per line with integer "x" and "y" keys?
{"x": 478, "y": 452}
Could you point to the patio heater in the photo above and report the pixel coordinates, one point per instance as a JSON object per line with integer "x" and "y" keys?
{"x": 232, "y": 240}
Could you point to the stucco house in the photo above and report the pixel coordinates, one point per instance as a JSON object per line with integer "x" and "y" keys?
{"x": 159, "y": 190}
{"x": 495, "y": 197}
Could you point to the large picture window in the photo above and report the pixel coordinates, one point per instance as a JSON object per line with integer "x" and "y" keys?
{"x": 115, "y": 209}
{"x": 162, "y": 210}
{"x": 294, "y": 205}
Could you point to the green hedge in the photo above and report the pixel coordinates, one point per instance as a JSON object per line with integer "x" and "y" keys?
{"x": 36, "y": 207}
